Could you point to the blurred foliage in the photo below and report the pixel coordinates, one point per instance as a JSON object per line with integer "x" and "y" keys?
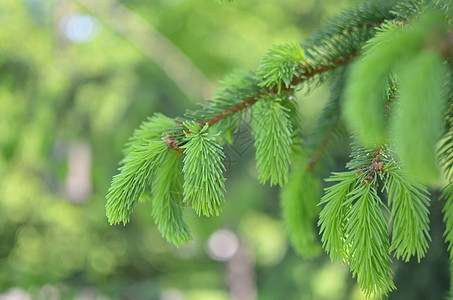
{"x": 70, "y": 98}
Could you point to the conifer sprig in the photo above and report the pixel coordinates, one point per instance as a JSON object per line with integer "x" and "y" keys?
{"x": 353, "y": 225}
{"x": 236, "y": 92}
{"x": 447, "y": 194}
{"x": 332, "y": 217}
{"x": 272, "y": 131}
{"x": 204, "y": 183}
{"x": 299, "y": 199}
{"x": 277, "y": 67}
{"x": 134, "y": 178}
{"x": 409, "y": 204}
{"x": 142, "y": 154}
{"x": 167, "y": 194}
{"x": 402, "y": 49}
{"x": 366, "y": 233}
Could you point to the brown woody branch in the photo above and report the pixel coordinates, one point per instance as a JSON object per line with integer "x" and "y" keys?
{"x": 308, "y": 72}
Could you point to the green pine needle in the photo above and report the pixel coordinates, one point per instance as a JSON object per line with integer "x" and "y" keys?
{"x": 272, "y": 131}
{"x": 332, "y": 219}
{"x": 135, "y": 177}
{"x": 447, "y": 194}
{"x": 150, "y": 130}
{"x": 365, "y": 90}
{"x": 204, "y": 183}
{"x": 142, "y": 153}
{"x": 366, "y": 233}
{"x": 409, "y": 213}
{"x": 167, "y": 196}
{"x": 395, "y": 44}
{"x": 299, "y": 199}
{"x": 279, "y": 64}
{"x": 419, "y": 123}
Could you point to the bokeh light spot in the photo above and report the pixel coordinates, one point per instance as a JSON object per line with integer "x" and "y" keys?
{"x": 222, "y": 245}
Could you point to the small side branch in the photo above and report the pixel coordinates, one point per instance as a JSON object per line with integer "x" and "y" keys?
{"x": 232, "y": 110}
{"x": 312, "y": 71}
{"x": 308, "y": 73}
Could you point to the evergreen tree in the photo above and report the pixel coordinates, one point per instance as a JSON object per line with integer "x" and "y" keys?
{"x": 388, "y": 64}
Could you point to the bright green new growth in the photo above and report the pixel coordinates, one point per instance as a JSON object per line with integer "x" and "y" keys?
{"x": 204, "y": 183}
{"x": 167, "y": 193}
{"x": 143, "y": 153}
{"x": 353, "y": 225}
{"x": 272, "y": 131}
{"x": 419, "y": 124}
{"x": 447, "y": 194}
{"x": 395, "y": 43}
{"x": 387, "y": 63}
{"x": 409, "y": 212}
{"x": 367, "y": 238}
{"x": 135, "y": 177}
{"x": 365, "y": 93}
{"x": 279, "y": 64}
{"x": 299, "y": 200}
{"x": 152, "y": 129}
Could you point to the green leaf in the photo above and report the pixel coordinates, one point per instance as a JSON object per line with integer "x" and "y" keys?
{"x": 272, "y": 129}
{"x": 203, "y": 179}
{"x": 299, "y": 199}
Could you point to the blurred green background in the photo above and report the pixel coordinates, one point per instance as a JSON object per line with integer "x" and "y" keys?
{"x": 76, "y": 78}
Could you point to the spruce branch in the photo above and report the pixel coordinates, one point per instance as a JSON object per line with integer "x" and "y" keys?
{"x": 352, "y": 223}
{"x": 329, "y": 127}
{"x": 286, "y": 66}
